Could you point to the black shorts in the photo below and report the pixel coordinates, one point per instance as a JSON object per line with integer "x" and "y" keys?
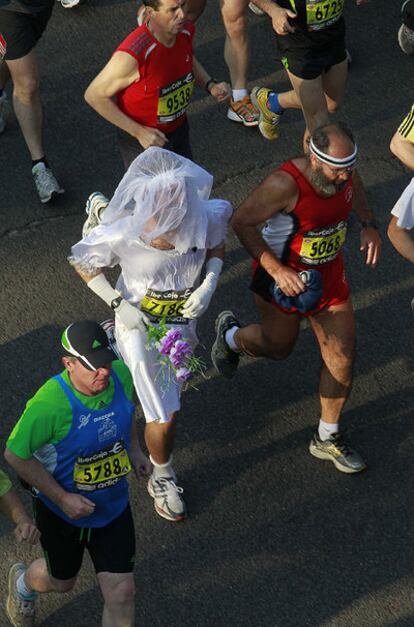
{"x": 112, "y": 548}
{"x": 178, "y": 142}
{"x": 22, "y": 31}
{"x": 309, "y": 63}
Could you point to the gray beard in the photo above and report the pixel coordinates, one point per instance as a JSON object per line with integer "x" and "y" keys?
{"x": 327, "y": 187}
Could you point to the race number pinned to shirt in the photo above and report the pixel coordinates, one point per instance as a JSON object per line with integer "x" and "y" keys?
{"x": 321, "y": 14}
{"x": 174, "y": 99}
{"x": 102, "y": 469}
{"x": 168, "y": 305}
{"x": 322, "y": 245}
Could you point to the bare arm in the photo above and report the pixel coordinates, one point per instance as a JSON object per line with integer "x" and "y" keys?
{"x": 370, "y": 237}
{"x": 278, "y": 15}
{"x": 34, "y": 473}
{"x": 120, "y": 72}
{"x": 139, "y": 461}
{"x": 278, "y": 192}
{"x": 401, "y": 240}
{"x": 12, "y": 507}
{"x": 219, "y": 91}
{"x": 403, "y": 149}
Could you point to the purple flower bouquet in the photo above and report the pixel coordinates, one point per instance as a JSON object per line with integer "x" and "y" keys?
{"x": 177, "y": 360}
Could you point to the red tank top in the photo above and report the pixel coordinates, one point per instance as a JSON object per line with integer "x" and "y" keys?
{"x": 320, "y": 223}
{"x": 161, "y": 96}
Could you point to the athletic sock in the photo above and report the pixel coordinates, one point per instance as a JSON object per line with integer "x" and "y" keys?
{"x": 229, "y": 339}
{"x": 162, "y": 470}
{"x": 41, "y": 160}
{"x": 239, "y": 94}
{"x": 326, "y": 429}
{"x": 273, "y": 103}
{"x": 26, "y": 593}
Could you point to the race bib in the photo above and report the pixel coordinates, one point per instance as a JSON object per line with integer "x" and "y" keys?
{"x": 323, "y": 245}
{"x": 321, "y": 14}
{"x": 102, "y": 469}
{"x": 174, "y": 99}
{"x": 168, "y": 305}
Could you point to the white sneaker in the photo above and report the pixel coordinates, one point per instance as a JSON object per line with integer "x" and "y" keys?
{"x": 69, "y": 4}
{"x": 168, "y": 501}
{"x": 21, "y": 612}
{"x": 46, "y": 184}
{"x": 95, "y": 206}
{"x": 3, "y": 103}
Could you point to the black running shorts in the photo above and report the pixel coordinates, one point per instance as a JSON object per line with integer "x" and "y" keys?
{"x": 309, "y": 63}
{"x": 112, "y": 548}
{"x": 22, "y": 31}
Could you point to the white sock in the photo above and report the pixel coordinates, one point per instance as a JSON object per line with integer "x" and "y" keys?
{"x": 229, "y": 339}
{"x": 26, "y": 593}
{"x": 239, "y": 94}
{"x": 326, "y": 429}
{"x": 162, "y": 470}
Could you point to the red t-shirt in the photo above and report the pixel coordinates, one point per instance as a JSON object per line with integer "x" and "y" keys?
{"x": 160, "y": 97}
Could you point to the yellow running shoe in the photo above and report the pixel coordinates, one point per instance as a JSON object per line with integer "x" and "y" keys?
{"x": 268, "y": 121}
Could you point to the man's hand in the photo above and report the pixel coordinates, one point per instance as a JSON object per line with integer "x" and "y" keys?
{"x": 76, "y": 506}
{"x": 280, "y": 20}
{"x": 26, "y": 531}
{"x": 371, "y": 242}
{"x": 140, "y": 463}
{"x": 221, "y": 92}
{"x": 147, "y": 137}
{"x": 289, "y": 281}
{"x": 132, "y": 317}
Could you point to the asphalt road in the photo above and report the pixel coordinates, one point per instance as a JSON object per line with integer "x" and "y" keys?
{"x": 275, "y": 537}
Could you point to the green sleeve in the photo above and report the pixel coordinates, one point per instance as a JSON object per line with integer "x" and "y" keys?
{"x": 46, "y": 420}
{"x": 5, "y": 484}
{"x": 124, "y": 375}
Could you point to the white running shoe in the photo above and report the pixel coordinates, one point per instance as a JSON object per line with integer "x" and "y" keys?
{"x": 3, "y": 103}
{"x": 21, "y": 612}
{"x": 69, "y": 4}
{"x": 46, "y": 184}
{"x": 168, "y": 501}
{"x": 95, "y": 206}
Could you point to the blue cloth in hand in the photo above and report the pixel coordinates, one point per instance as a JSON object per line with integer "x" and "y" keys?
{"x": 307, "y": 300}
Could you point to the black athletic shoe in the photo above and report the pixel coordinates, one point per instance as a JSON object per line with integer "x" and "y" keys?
{"x": 224, "y": 359}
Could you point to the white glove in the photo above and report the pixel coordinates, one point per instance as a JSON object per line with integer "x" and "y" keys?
{"x": 200, "y": 299}
{"x": 130, "y": 316}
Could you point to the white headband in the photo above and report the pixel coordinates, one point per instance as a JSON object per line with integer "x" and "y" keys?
{"x": 346, "y": 162}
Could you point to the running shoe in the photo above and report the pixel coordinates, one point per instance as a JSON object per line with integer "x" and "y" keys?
{"x": 336, "y": 450}
{"x": 268, "y": 121}
{"x": 95, "y": 206}
{"x": 243, "y": 111}
{"x": 21, "y": 612}
{"x": 405, "y": 33}
{"x": 224, "y": 359}
{"x": 255, "y": 9}
{"x": 3, "y": 103}
{"x": 69, "y": 4}
{"x": 46, "y": 184}
{"x": 168, "y": 501}
{"x": 406, "y": 39}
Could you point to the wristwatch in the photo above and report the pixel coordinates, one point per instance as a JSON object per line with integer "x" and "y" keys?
{"x": 369, "y": 223}
{"x": 116, "y": 302}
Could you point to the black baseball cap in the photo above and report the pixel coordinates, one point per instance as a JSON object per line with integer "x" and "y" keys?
{"x": 87, "y": 341}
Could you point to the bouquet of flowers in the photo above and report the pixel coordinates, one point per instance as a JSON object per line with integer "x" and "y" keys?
{"x": 176, "y": 356}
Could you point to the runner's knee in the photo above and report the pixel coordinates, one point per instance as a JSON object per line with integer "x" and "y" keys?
{"x": 26, "y": 88}
{"x": 120, "y": 592}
